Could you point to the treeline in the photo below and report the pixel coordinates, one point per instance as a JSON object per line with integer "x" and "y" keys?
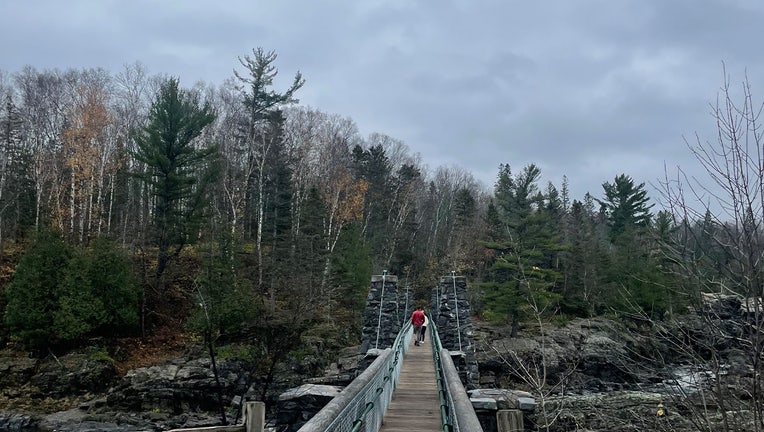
{"x": 286, "y": 212}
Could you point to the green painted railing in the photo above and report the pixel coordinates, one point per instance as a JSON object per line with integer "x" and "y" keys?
{"x": 361, "y": 406}
{"x": 456, "y": 410}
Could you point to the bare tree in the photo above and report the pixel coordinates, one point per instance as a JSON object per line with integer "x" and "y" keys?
{"x": 42, "y": 106}
{"x": 716, "y": 255}
{"x": 131, "y": 106}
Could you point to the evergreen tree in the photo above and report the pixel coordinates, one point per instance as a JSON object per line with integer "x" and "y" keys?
{"x": 224, "y": 305}
{"x": 32, "y": 295}
{"x": 625, "y": 205}
{"x": 60, "y": 295}
{"x": 465, "y": 209}
{"x": 309, "y": 252}
{"x": 403, "y": 251}
{"x": 111, "y": 278}
{"x": 79, "y": 310}
{"x": 634, "y": 278}
{"x": 521, "y": 269}
{"x": 633, "y": 275}
{"x": 352, "y": 270}
{"x": 277, "y": 220}
{"x": 586, "y": 261}
{"x": 373, "y": 166}
{"x": 16, "y": 186}
{"x": 178, "y": 171}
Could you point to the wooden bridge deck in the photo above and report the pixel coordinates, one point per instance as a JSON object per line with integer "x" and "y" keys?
{"x": 415, "y": 406}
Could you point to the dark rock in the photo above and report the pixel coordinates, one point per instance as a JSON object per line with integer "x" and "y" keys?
{"x": 178, "y": 387}
{"x": 298, "y": 405}
{"x": 16, "y": 370}
{"x": 13, "y": 422}
{"x": 79, "y": 420}
{"x": 613, "y": 411}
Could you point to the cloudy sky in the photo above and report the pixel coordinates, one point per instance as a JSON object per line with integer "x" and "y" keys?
{"x": 588, "y": 89}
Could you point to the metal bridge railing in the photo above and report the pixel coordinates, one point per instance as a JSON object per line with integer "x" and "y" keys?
{"x": 362, "y": 404}
{"x": 456, "y": 411}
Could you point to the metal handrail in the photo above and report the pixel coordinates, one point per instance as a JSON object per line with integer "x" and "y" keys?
{"x": 364, "y": 408}
{"x": 446, "y": 403}
{"x": 455, "y": 407}
{"x": 446, "y": 407}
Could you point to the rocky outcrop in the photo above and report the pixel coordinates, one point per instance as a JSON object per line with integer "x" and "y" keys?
{"x": 587, "y": 355}
{"x": 633, "y": 374}
{"x": 599, "y": 375}
{"x": 621, "y": 411}
{"x": 179, "y": 387}
{"x": 15, "y": 370}
{"x": 84, "y": 376}
{"x": 298, "y": 405}
{"x": 13, "y": 422}
{"x": 73, "y": 374}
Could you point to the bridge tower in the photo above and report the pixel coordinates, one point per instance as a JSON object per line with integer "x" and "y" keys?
{"x": 383, "y": 317}
{"x": 452, "y": 314}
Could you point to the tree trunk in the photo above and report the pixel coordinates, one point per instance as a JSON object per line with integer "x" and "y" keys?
{"x": 211, "y": 350}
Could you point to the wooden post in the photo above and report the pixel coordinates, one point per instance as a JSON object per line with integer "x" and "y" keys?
{"x": 509, "y": 421}
{"x": 254, "y": 416}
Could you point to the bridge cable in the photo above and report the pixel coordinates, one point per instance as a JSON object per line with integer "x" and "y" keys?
{"x": 456, "y": 305}
{"x": 381, "y": 299}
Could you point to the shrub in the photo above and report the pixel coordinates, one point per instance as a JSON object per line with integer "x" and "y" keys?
{"x": 32, "y": 295}
{"x": 60, "y": 295}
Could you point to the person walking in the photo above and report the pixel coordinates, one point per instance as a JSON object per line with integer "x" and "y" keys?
{"x": 423, "y": 331}
{"x": 417, "y": 319}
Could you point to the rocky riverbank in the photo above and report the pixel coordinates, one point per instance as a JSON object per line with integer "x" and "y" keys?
{"x": 632, "y": 374}
{"x": 590, "y": 374}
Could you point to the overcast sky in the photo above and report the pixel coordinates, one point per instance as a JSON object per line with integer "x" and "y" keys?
{"x": 588, "y": 88}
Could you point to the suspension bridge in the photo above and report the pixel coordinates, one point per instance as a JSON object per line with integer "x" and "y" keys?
{"x": 405, "y": 386}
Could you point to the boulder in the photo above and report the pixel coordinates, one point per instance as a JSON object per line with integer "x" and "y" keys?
{"x": 298, "y": 405}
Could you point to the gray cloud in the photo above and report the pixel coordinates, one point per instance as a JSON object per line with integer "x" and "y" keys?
{"x": 588, "y": 89}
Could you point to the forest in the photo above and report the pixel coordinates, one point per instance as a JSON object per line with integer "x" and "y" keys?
{"x": 131, "y": 204}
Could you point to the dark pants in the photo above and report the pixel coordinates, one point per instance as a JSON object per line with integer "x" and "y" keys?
{"x": 417, "y": 332}
{"x": 424, "y": 332}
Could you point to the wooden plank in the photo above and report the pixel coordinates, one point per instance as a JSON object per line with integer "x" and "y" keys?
{"x": 415, "y": 406}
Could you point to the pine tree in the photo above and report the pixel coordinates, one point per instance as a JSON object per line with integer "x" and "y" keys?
{"x": 260, "y": 136}
{"x": 178, "y": 171}
{"x": 16, "y": 199}
{"x": 625, "y": 205}
{"x": 373, "y": 166}
{"x": 522, "y": 270}
{"x": 586, "y": 260}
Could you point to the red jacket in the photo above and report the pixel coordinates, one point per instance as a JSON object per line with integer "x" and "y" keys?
{"x": 417, "y": 318}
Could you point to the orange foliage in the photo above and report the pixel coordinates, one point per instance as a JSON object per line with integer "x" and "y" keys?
{"x": 84, "y": 143}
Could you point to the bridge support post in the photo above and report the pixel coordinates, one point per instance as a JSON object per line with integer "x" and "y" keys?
{"x": 509, "y": 421}
{"x": 254, "y": 417}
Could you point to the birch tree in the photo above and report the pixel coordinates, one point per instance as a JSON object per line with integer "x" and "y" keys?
{"x": 87, "y": 151}
{"x": 42, "y": 108}
{"x": 259, "y": 133}
{"x": 126, "y": 205}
